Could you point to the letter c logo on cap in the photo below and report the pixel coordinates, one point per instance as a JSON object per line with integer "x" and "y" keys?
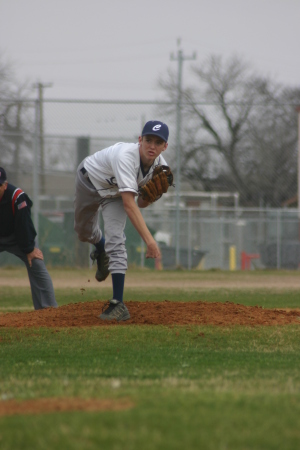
{"x": 156, "y": 127}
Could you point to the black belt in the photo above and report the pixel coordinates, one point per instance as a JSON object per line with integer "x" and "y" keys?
{"x": 85, "y": 174}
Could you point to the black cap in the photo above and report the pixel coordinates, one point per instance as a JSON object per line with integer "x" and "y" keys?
{"x": 3, "y": 176}
{"x": 156, "y": 128}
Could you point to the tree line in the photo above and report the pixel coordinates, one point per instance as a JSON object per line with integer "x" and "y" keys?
{"x": 239, "y": 132}
{"x": 15, "y": 121}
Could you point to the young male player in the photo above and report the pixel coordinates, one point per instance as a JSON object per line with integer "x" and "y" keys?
{"x": 111, "y": 180}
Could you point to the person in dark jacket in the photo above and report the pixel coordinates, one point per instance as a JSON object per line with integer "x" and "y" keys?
{"x": 17, "y": 236}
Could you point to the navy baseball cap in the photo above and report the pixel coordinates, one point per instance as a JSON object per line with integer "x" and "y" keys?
{"x": 156, "y": 128}
{"x": 2, "y": 175}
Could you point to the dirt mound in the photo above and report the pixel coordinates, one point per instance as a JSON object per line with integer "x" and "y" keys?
{"x": 153, "y": 313}
{"x": 50, "y": 405}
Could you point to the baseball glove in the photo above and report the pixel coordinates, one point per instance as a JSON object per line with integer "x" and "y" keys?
{"x": 162, "y": 178}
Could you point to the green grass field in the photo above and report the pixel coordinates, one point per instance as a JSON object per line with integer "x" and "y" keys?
{"x": 195, "y": 387}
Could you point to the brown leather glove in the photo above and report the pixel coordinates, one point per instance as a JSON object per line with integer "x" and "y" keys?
{"x": 162, "y": 178}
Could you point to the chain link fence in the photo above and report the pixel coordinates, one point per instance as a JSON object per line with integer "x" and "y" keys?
{"x": 226, "y": 211}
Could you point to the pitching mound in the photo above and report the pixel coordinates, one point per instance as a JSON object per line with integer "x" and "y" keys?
{"x": 51, "y": 405}
{"x": 153, "y": 313}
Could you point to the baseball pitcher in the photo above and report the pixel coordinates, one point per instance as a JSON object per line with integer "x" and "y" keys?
{"x": 112, "y": 179}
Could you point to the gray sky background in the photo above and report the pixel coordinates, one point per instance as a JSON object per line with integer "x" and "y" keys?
{"x": 117, "y": 49}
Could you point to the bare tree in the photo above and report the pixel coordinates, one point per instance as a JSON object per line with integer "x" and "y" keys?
{"x": 15, "y": 121}
{"x": 239, "y": 132}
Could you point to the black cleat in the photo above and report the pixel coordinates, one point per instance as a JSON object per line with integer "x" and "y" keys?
{"x": 102, "y": 264}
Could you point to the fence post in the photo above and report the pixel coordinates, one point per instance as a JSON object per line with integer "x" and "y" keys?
{"x": 221, "y": 242}
{"x": 278, "y": 244}
{"x": 36, "y": 206}
{"x": 189, "y": 239}
{"x": 82, "y": 251}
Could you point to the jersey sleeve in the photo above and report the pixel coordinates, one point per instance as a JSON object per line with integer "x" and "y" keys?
{"x": 125, "y": 173}
{"x": 24, "y": 229}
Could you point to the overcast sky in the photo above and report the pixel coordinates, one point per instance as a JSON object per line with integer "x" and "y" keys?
{"x": 117, "y": 49}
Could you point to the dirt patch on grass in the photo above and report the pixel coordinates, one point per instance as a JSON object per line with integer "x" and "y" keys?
{"x": 51, "y": 405}
{"x": 153, "y": 313}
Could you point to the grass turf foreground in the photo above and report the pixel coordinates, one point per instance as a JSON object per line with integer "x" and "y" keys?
{"x": 193, "y": 387}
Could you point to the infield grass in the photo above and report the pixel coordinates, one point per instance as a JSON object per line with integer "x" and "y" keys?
{"x": 193, "y": 387}
{"x": 15, "y": 299}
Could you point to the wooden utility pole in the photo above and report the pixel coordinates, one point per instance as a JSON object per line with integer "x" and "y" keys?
{"x": 40, "y": 87}
{"x": 180, "y": 58}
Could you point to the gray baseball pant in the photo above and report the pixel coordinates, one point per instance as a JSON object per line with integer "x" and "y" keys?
{"x": 87, "y": 204}
{"x": 40, "y": 281}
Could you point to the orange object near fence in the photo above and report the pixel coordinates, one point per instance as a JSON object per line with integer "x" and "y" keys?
{"x": 246, "y": 259}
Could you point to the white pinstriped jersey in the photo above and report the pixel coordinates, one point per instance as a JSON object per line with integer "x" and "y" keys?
{"x": 117, "y": 169}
